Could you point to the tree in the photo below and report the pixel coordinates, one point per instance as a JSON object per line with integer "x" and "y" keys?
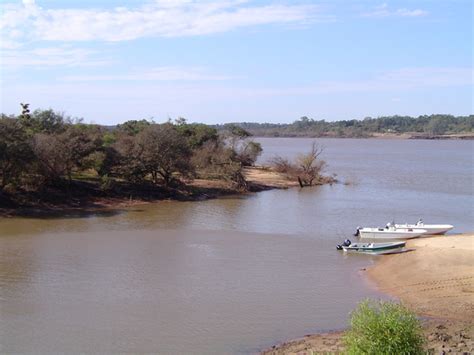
{"x": 248, "y": 152}
{"x": 307, "y": 169}
{"x": 59, "y": 154}
{"x": 15, "y": 152}
{"x": 437, "y": 125}
{"x": 310, "y": 166}
{"x": 197, "y": 134}
{"x": 45, "y": 121}
{"x": 133, "y": 127}
{"x": 216, "y": 160}
{"x": 123, "y": 159}
{"x": 163, "y": 152}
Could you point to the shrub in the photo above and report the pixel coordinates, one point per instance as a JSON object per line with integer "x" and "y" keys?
{"x": 383, "y": 328}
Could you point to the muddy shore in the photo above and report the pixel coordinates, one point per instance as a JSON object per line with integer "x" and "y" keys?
{"x": 436, "y": 280}
{"x": 88, "y": 197}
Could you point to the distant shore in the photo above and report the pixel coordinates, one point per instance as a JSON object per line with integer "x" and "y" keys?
{"x": 408, "y": 135}
{"x": 436, "y": 280}
{"x": 87, "y": 199}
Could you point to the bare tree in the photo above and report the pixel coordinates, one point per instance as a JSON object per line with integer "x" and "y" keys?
{"x": 310, "y": 166}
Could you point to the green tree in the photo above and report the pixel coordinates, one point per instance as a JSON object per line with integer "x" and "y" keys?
{"x": 45, "y": 121}
{"x": 437, "y": 126}
{"x": 133, "y": 127}
{"x": 163, "y": 152}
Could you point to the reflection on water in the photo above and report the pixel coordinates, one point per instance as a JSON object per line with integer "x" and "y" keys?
{"x": 221, "y": 276}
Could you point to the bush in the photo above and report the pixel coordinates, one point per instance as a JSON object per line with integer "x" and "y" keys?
{"x": 383, "y": 328}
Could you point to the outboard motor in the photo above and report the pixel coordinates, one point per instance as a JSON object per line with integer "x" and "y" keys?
{"x": 357, "y": 233}
{"x": 346, "y": 243}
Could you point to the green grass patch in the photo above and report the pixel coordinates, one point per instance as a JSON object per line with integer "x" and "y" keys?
{"x": 378, "y": 327}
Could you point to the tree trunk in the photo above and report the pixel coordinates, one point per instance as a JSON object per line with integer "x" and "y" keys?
{"x": 301, "y": 182}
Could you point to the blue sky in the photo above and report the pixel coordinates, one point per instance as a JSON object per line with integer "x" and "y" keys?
{"x": 233, "y": 60}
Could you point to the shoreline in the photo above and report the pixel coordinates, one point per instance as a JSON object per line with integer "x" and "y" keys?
{"x": 259, "y": 178}
{"x": 441, "y": 292}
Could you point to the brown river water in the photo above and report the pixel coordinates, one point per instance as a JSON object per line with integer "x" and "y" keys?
{"x": 231, "y": 275}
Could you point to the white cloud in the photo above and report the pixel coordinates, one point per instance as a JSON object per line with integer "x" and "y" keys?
{"x": 169, "y": 73}
{"x": 48, "y": 57}
{"x": 384, "y": 11}
{"x": 154, "y": 19}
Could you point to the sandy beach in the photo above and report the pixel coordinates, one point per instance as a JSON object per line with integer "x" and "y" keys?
{"x": 436, "y": 280}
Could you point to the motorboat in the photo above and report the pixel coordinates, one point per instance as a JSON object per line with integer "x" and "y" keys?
{"x": 389, "y": 232}
{"x": 430, "y": 228}
{"x": 347, "y": 246}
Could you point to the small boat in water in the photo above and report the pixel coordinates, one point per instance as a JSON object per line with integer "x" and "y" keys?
{"x": 430, "y": 228}
{"x": 389, "y": 232}
{"x": 369, "y": 247}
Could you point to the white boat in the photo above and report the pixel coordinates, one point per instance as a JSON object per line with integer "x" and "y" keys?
{"x": 430, "y": 228}
{"x": 347, "y": 246}
{"x": 390, "y": 232}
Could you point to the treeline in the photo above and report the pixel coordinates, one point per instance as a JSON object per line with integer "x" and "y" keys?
{"x": 45, "y": 148}
{"x": 422, "y": 126}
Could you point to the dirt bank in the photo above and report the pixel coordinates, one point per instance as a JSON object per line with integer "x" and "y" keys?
{"x": 87, "y": 195}
{"x": 443, "y": 336}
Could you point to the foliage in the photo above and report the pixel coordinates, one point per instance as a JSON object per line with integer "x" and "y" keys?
{"x": 133, "y": 127}
{"x": 310, "y": 167}
{"x": 59, "y": 154}
{"x": 163, "y": 151}
{"x": 197, "y": 134}
{"x": 383, "y": 328}
{"x": 15, "y": 151}
{"x": 44, "y": 121}
{"x": 45, "y": 148}
{"x": 306, "y": 170}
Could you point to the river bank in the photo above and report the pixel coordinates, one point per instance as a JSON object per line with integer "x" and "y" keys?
{"x": 87, "y": 196}
{"x": 442, "y": 289}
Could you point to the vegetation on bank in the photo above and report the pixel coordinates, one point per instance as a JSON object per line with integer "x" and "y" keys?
{"x": 383, "y": 328}
{"x": 44, "y": 151}
{"x": 46, "y": 157}
{"x": 425, "y": 126}
{"x": 306, "y": 169}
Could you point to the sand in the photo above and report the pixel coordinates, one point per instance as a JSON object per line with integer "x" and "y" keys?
{"x": 267, "y": 177}
{"x": 436, "y": 280}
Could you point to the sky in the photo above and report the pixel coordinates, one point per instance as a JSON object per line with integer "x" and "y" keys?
{"x": 235, "y": 60}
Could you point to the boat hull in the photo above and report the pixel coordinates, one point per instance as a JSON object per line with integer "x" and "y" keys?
{"x": 383, "y": 233}
{"x": 432, "y": 229}
{"x": 373, "y": 247}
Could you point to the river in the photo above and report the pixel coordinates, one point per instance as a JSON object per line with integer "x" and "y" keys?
{"x": 231, "y": 275}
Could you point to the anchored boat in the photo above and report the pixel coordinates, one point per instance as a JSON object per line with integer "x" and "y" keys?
{"x": 430, "y": 228}
{"x": 369, "y": 247}
{"x": 389, "y": 232}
